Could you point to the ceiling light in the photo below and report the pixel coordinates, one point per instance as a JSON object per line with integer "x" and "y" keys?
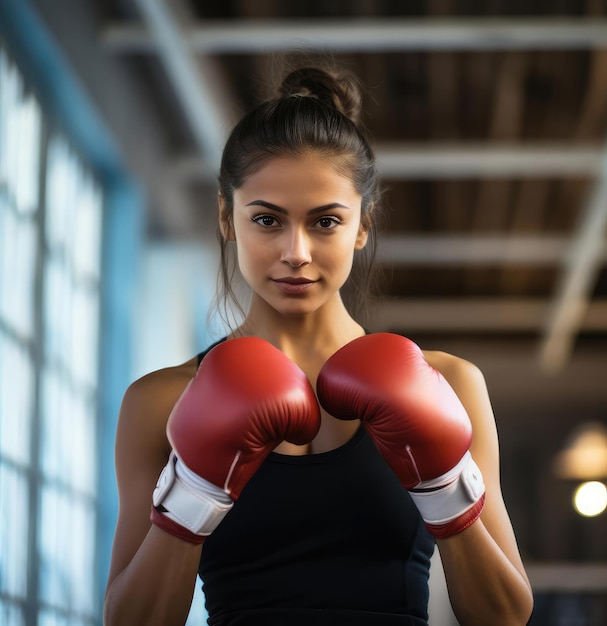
{"x": 590, "y": 499}
{"x": 585, "y": 456}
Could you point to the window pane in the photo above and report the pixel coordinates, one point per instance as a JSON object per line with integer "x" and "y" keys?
{"x": 53, "y": 546}
{"x": 26, "y": 146}
{"x": 50, "y": 618}
{"x": 67, "y": 551}
{"x": 17, "y": 270}
{"x": 57, "y": 311}
{"x": 55, "y": 432}
{"x": 55, "y": 438}
{"x": 7, "y": 224}
{"x": 13, "y": 532}
{"x": 60, "y": 185}
{"x": 19, "y": 138}
{"x": 85, "y": 327}
{"x": 83, "y": 452}
{"x": 68, "y": 434}
{"x": 24, "y": 277}
{"x": 81, "y": 543}
{"x": 87, "y": 242}
{"x": 11, "y": 613}
{"x": 16, "y": 399}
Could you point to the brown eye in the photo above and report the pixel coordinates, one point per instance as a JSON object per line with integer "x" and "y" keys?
{"x": 265, "y": 220}
{"x": 327, "y": 222}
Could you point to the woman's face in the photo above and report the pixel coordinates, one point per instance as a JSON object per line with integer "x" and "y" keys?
{"x": 296, "y": 224}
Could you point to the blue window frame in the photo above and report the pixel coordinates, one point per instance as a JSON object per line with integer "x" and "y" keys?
{"x": 51, "y": 212}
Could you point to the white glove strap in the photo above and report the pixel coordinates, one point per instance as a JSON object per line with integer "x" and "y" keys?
{"x": 189, "y": 500}
{"x": 447, "y": 497}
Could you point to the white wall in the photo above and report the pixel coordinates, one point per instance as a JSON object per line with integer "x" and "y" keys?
{"x": 176, "y": 291}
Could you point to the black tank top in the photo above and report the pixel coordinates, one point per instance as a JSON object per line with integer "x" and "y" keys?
{"x": 330, "y": 538}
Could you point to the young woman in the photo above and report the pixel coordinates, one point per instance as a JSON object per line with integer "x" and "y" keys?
{"x": 310, "y": 468}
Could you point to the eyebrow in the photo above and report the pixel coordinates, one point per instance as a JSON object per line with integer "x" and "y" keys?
{"x": 320, "y": 209}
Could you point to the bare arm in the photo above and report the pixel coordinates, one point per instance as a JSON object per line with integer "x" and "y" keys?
{"x": 152, "y": 574}
{"x": 485, "y": 575}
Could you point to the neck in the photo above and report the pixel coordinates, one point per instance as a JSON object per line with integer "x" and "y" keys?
{"x": 322, "y": 331}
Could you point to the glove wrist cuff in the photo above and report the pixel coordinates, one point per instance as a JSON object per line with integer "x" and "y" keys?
{"x": 196, "y": 507}
{"x": 452, "y": 502}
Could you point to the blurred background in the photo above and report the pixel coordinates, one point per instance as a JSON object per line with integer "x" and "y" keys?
{"x": 489, "y": 120}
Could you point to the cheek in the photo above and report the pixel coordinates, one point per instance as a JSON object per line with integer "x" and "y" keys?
{"x": 340, "y": 256}
{"x": 250, "y": 257}
{"x": 352, "y": 242}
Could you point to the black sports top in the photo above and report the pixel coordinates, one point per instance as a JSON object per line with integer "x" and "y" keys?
{"x": 329, "y": 538}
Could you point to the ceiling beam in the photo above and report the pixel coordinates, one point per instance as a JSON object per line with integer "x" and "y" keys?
{"x": 487, "y": 160}
{"x": 475, "y": 249}
{"x": 438, "y": 160}
{"x": 204, "y": 97}
{"x": 581, "y": 267}
{"x": 475, "y": 315}
{"x": 373, "y": 35}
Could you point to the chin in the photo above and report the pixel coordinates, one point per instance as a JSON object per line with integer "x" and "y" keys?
{"x": 292, "y": 307}
{"x": 294, "y": 313}
{"x": 295, "y": 309}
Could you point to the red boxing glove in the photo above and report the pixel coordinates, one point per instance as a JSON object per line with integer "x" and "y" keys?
{"x": 246, "y": 398}
{"x": 416, "y": 421}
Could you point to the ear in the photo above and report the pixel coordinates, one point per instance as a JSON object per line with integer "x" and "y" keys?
{"x": 226, "y": 225}
{"x": 361, "y": 238}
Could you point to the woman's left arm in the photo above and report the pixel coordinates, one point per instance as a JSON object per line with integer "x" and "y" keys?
{"x": 485, "y": 575}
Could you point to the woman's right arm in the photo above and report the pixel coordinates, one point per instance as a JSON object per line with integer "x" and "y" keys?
{"x": 152, "y": 573}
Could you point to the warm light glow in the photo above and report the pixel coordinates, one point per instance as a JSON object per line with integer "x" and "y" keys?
{"x": 590, "y": 499}
{"x": 585, "y": 456}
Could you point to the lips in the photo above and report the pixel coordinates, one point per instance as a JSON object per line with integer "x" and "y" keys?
{"x": 291, "y": 280}
{"x": 292, "y": 285}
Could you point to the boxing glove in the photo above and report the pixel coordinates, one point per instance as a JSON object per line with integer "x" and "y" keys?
{"x": 416, "y": 421}
{"x": 245, "y": 399}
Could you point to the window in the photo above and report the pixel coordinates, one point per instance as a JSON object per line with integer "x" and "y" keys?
{"x": 50, "y": 254}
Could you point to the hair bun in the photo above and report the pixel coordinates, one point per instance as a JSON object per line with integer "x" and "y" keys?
{"x": 337, "y": 90}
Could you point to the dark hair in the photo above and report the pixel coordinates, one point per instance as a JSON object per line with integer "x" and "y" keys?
{"x": 316, "y": 110}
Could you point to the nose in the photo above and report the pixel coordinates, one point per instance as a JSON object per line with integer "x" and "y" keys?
{"x": 296, "y": 251}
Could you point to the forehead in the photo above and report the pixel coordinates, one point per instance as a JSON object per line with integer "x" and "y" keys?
{"x": 311, "y": 174}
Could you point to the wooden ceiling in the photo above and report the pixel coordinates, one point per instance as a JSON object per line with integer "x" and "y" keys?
{"x": 489, "y": 122}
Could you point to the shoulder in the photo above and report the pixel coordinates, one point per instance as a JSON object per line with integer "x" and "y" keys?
{"x": 469, "y": 384}
{"x": 161, "y": 386}
{"x": 458, "y": 371}
{"x": 148, "y": 402}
